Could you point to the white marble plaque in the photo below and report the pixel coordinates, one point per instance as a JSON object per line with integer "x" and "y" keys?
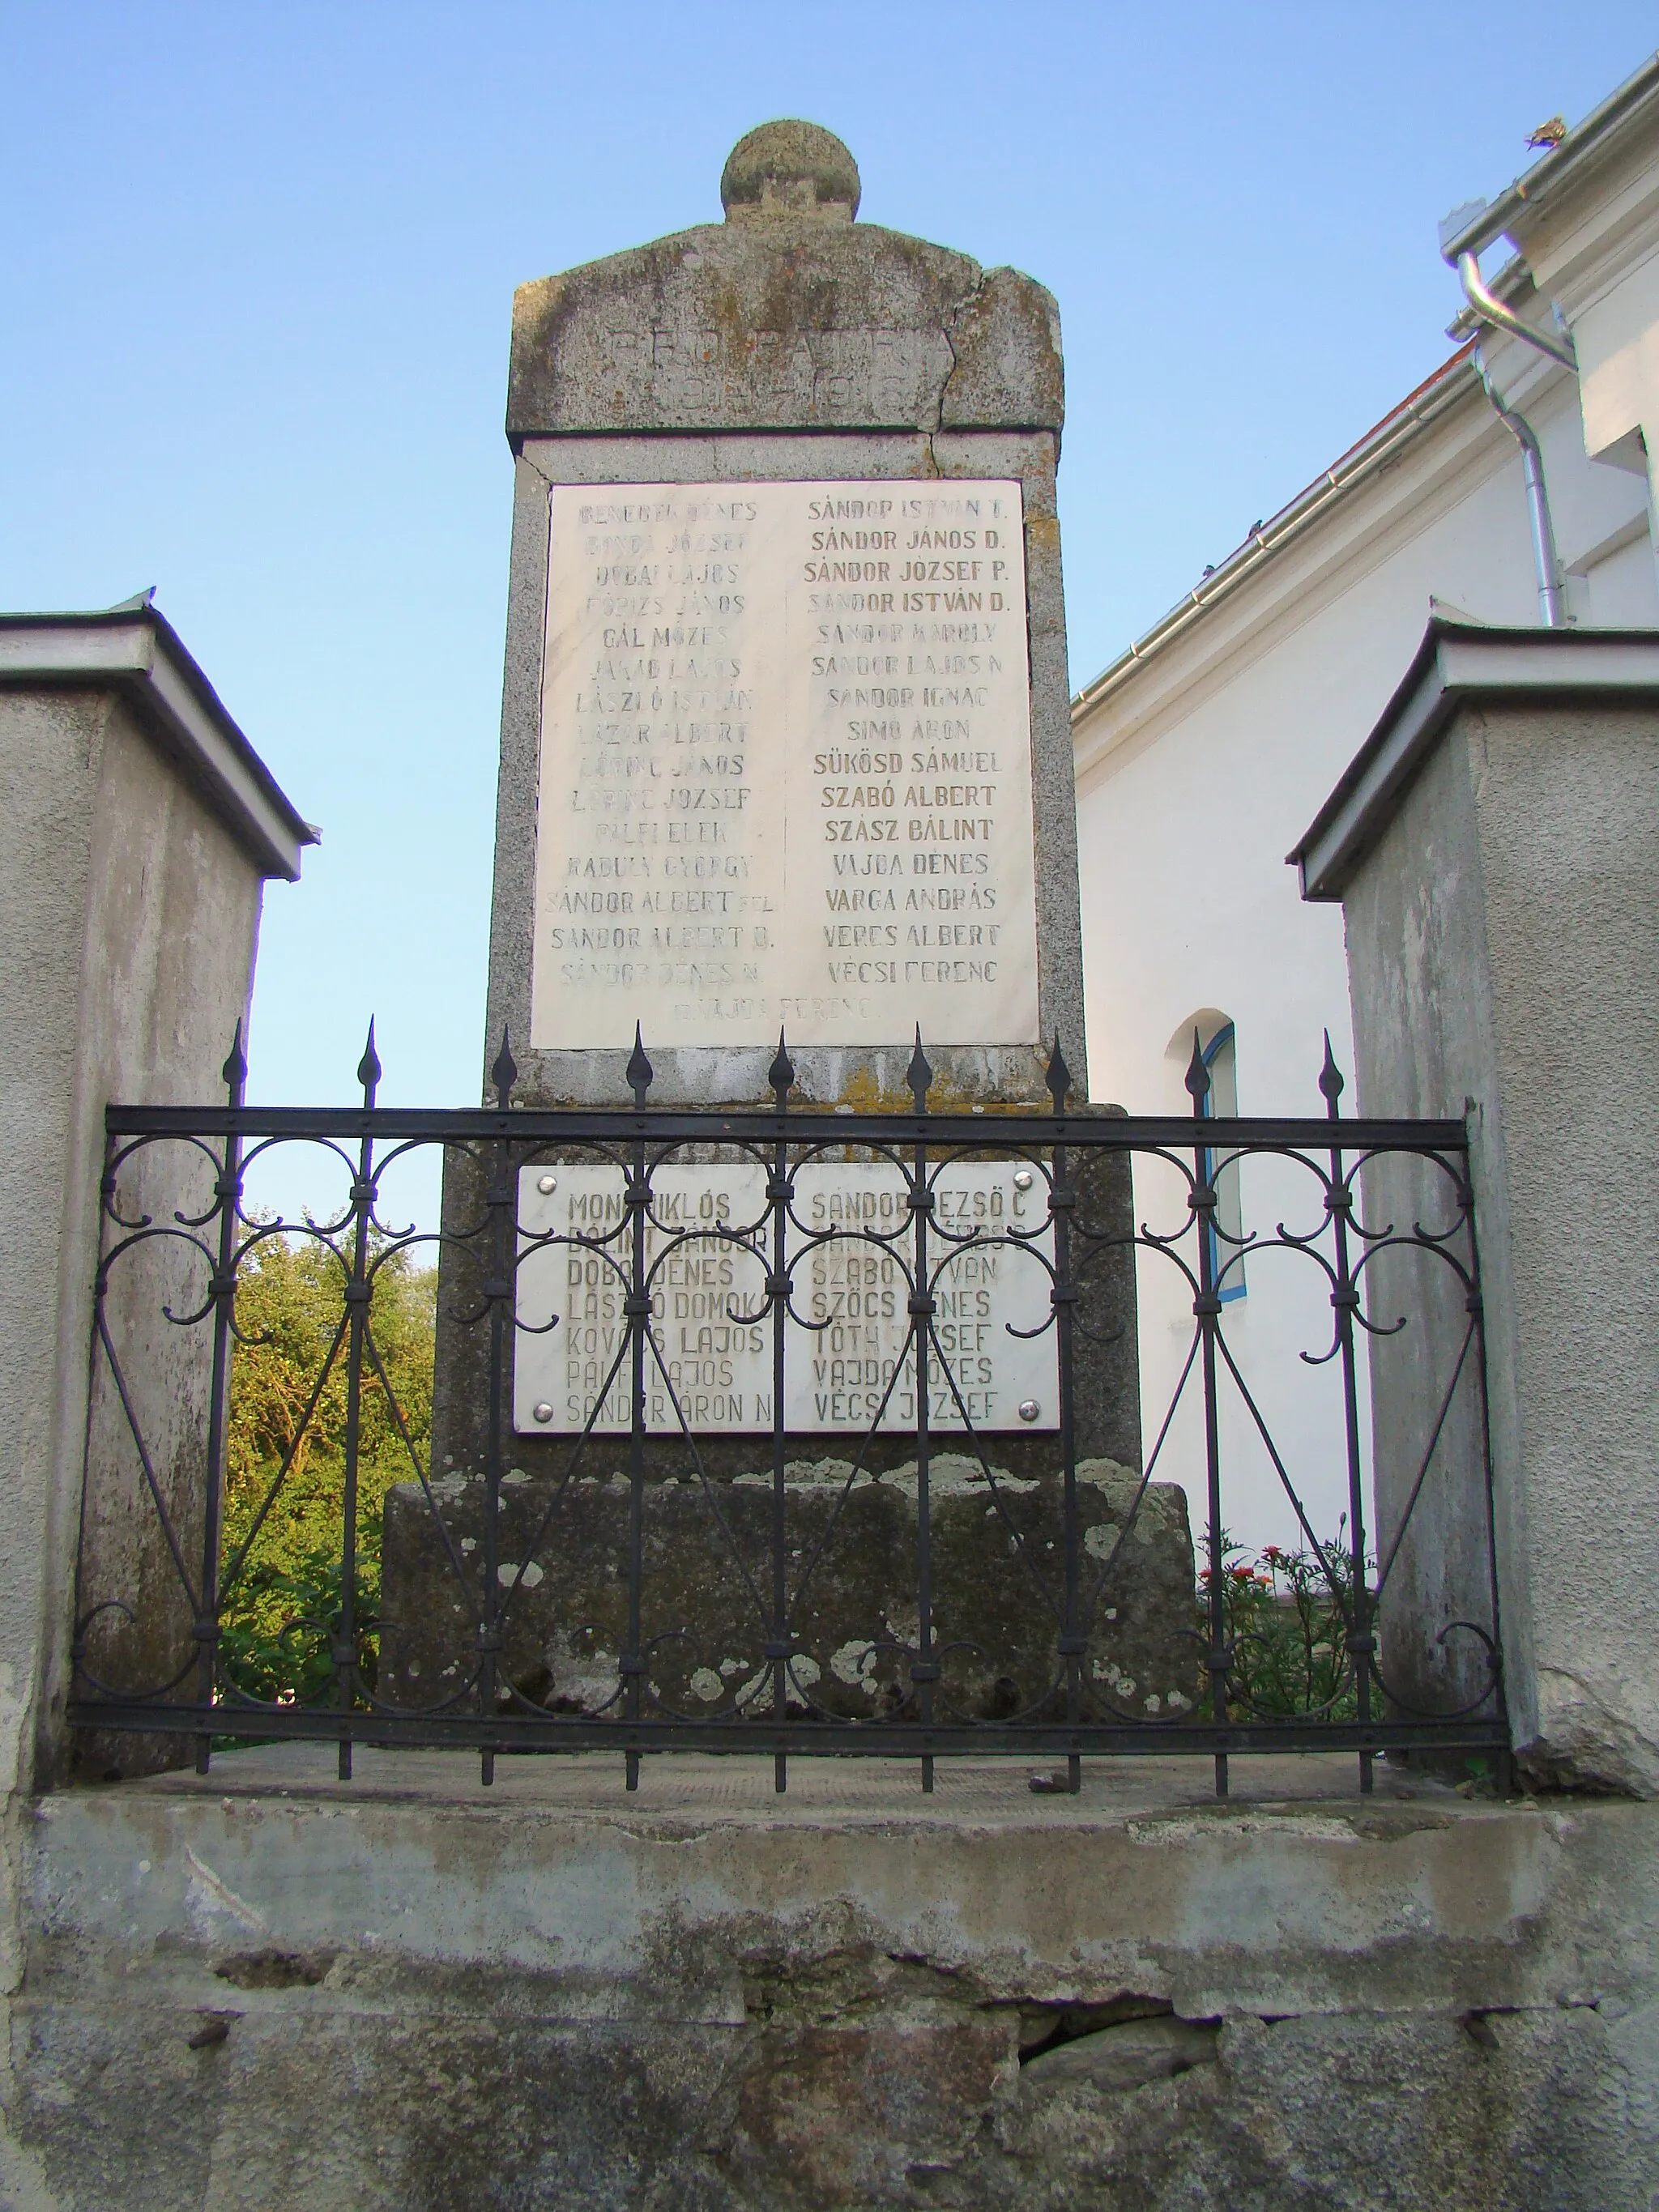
{"x": 853, "y": 1292}
{"x": 720, "y": 1367}
{"x": 786, "y": 767}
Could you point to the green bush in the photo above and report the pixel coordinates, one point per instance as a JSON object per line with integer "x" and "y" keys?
{"x": 282, "y": 1585}
{"x": 1286, "y": 1620}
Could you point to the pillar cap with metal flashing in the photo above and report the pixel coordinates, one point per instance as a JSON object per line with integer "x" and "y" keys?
{"x": 1455, "y": 663}
{"x": 134, "y": 649}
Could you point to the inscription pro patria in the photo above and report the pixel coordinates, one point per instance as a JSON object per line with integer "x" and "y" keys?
{"x": 786, "y": 767}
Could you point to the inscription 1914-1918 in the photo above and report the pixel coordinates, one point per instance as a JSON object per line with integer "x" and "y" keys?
{"x": 786, "y": 769}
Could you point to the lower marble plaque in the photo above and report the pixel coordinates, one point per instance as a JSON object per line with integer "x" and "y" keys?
{"x": 709, "y": 1357}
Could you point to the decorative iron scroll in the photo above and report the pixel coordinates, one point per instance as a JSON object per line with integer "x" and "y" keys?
{"x": 916, "y": 1588}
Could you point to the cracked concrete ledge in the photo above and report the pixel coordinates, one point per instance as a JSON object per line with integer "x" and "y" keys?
{"x": 267, "y": 1988}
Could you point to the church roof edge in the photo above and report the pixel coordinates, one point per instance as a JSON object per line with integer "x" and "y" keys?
{"x": 1402, "y": 424}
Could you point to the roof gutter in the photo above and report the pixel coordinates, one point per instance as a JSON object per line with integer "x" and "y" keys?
{"x": 1425, "y": 405}
{"x": 1465, "y": 232}
{"x": 1471, "y": 228}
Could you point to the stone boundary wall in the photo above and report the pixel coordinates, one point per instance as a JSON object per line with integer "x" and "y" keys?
{"x": 264, "y": 1990}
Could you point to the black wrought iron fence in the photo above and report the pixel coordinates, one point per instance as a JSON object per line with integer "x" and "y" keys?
{"x": 789, "y": 1431}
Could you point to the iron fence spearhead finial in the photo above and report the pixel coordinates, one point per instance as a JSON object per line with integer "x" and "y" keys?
{"x": 1058, "y": 1077}
{"x": 1331, "y": 1081}
{"x": 505, "y": 1073}
{"x": 234, "y": 1070}
{"x": 368, "y": 1067}
{"x": 1198, "y": 1076}
{"x": 782, "y": 1073}
{"x": 639, "y": 1070}
{"x": 919, "y": 1075}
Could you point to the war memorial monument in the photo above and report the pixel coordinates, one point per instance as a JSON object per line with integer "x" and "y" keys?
{"x": 786, "y": 765}
{"x": 785, "y": 1391}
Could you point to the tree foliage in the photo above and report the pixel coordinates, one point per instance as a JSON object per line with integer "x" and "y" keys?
{"x": 283, "y": 1531}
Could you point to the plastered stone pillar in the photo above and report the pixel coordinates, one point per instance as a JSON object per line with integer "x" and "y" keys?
{"x": 138, "y": 831}
{"x": 1496, "y": 848}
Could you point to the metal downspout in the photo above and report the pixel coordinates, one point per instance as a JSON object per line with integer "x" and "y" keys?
{"x": 1550, "y": 607}
{"x": 1490, "y": 309}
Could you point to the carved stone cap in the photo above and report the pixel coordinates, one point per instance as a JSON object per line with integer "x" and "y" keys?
{"x": 843, "y": 326}
{"x": 790, "y": 169}
{"x": 788, "y": 315}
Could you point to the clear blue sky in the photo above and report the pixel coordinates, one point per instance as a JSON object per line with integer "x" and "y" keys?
{"x": 258, "y": 266}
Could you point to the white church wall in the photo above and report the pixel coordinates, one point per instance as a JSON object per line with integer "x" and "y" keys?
{"x": 1593, "y": 246}
{"x": 1197, "y": 775}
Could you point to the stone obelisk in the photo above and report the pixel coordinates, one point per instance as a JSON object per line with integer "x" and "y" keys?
{"x": 785, "y": 747}
{"x": 786, "y": 742}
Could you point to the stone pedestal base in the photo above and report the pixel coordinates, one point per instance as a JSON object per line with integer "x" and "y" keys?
{"x": 997, "y": 1579}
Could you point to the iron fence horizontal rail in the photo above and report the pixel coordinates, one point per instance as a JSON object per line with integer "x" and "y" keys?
{"x": 763, "y": 1738}
{"x": 1287, "y": 1659}
{"x": 531, "y": 1124}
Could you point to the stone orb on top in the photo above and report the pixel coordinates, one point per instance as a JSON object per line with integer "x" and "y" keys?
{"x": 792, "y": 168}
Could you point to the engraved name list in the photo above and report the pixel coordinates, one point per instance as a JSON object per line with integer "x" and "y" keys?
{"x": 786, "y": 772}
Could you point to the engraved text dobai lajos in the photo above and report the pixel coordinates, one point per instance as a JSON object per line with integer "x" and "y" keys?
{"x": 786, "y": 767}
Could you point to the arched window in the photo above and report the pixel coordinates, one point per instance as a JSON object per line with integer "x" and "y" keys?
{"x": 1220, "y": 1058}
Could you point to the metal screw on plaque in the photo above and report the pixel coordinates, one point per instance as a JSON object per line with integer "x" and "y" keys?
{"x": 547, "y": 1185}
{"x": 1028, "y": 1409}
{"x": 1022, "y": 1179}
{"x": 544, "y": 1413}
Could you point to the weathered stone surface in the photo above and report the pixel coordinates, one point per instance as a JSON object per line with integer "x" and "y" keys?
{"x": 788, "y": 343}
{"x": 790, "y": 166}
{"x": 1008, "y": 369}
{"x": 1501, "y": 2116}
{"x": 1483, "y": 2114}
{"x": 852, "y": 1539}
{"x": 699, "y": 1997}
{"x": 789, "y": 322}
{"x": 1123, "y": 2056}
